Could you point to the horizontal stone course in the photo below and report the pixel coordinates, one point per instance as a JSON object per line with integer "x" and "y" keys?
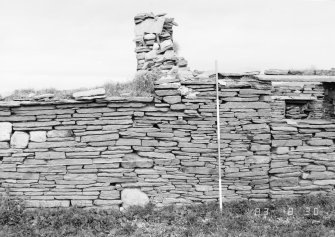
{"x": 249, "y": 105}
{"x": 98, "y": 138}
{"x": 286, "y": 143}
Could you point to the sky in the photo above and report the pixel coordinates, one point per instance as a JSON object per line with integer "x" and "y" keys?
{"x": 67, "y": 44}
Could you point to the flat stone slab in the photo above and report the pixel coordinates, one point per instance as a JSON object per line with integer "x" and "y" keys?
{"x": 9, "y": 104}
{"x": 245, "y": 105}
{"x": 60, "y": 133}
{"x": 325, "y": 182}
{"x": 284, "y": 182}
{"x": 172, "y": 99}
{"x": 50, "y": 155}
{"x": 38, "y": 136}
{"x": 97, "y": 138}
{"x": 89, "y": 93}
{"x": 17, "y": 175}
{"x": 5, "y": 131}
{"x": 133, "y": 160}
{"x": 158, "y": 155}
{"x": 286, "y": 143}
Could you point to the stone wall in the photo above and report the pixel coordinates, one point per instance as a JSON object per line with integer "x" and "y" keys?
{"x": 101, "y": 152}
{"x": 298, "y": 100}
{"x": 302, "y": 159}
{"x": 277, "y": 138}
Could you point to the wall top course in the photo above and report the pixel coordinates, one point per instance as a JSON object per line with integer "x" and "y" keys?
{"x": 297, "y": 78}
{"x": 12, "y": 104}
{"x": 194, "y": 78}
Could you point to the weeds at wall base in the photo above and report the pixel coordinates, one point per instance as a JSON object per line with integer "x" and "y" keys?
{"x": 284, "y": 217}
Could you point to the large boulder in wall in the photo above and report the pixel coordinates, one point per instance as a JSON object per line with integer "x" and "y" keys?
{"x": 19, "y": 140}
{"x": 133, "y": 197}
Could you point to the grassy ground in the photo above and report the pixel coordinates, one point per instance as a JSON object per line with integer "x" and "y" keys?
{"x": 141, "y": 85}
{"x": 308, "y": 216}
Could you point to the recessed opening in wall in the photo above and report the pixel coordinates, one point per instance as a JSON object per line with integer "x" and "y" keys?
{"x": 329, "y": 99}
{"x": 298, "y": 109}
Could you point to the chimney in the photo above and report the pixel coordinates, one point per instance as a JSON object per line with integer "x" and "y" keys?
{"x": 154, "y": 42}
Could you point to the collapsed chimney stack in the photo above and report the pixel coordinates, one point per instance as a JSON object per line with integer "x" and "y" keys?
{"x": 155, "y": 47}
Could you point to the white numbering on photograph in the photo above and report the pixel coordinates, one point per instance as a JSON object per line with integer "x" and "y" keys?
{"x": 257, "y": 211}
{"x": 290, "y": 211}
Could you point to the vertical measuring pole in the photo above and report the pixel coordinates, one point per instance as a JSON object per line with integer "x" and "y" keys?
{"x": 218, "y": 130}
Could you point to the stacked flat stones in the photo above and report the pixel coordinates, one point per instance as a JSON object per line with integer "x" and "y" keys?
{"x": 103, "y": 152}
{"x": 89, "y": 153}
{"x": 309, "y": 72}
{"x": 303, "y": 150}
{"x": 154, "y": 43}
{"x": 302, "y": 161}
{"x": 304, "y": 98}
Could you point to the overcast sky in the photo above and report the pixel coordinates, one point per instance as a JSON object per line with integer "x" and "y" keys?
{"x": 68, "y": 44}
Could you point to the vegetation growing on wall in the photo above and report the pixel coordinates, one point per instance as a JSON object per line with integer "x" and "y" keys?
{"x": 141, "y": 85}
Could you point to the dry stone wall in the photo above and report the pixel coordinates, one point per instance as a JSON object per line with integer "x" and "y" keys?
{"x": 102, "y": 152}
{"x": 302, "y": 160}
{"x": 113, "y": 152}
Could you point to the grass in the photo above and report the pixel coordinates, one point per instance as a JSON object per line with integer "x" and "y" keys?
{"x": 24, "y": 94}
{"x": 141, "y": 85}
{"x": 305, "y": 216}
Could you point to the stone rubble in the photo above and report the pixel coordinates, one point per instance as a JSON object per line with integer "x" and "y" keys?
{"x": 154, "y": 43}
